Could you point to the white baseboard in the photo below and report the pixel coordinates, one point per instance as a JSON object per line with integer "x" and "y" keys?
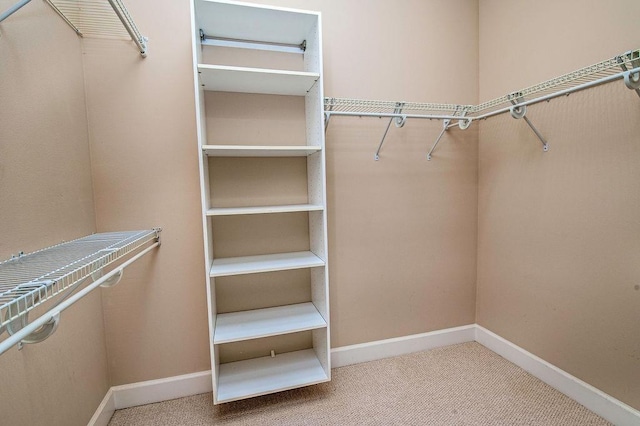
{"x": 611, "y": 409}
{"x": 371, "y": 351}
{"x": 594, "y": 399}
{"x": 105, "y": 410}
{"x": 141, "y": 393}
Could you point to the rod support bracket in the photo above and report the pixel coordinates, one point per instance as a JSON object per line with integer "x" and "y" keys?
{"x": 631, "y": 80}
{"x": 400, "y": 122}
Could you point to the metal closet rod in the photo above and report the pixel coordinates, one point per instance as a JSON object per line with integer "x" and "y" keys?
{"x": 54, "y": 314}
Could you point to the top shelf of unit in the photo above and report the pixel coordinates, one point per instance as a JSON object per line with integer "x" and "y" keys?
{"x": 254, "y": 22}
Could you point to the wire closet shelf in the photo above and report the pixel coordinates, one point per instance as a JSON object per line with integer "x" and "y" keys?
{"x": 625, "y": 66}
{"x": 94, "y": 18}
{"x": 29, "y": 280}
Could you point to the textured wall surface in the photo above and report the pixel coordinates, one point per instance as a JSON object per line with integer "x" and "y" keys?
{"x": 559, "y": 246}
{"x": 46, "y": 198}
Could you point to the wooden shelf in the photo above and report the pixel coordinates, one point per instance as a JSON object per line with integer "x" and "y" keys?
{"x": 264, "y": 263}
{"x": 238, "y": 21}
{"x": 293, "y": 208}
{"x": 223, "y": 78}
{"x": 259, "y": 376}
{"x": 259, "y": 151}
{"x": 258, "y": 323}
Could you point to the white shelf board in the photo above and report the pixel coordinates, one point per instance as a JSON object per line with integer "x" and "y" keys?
{"x": 264, "y": 263}
{"x": 259, "y": 323}
{"x": 223, "y": 78}
{"x": 231, "y": 211}
{"x": 253, "y": 22}
{"x": 259, "y": 151}
{"x": 259, "y": 376}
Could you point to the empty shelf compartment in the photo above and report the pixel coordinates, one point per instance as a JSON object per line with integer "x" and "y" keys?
{"x": 258, "y": 323}
{"x": 259, "y": 376}
{"x": 259, "y": 151}
{"x": 224, "y": 78}
{"x": 264, "y": 263}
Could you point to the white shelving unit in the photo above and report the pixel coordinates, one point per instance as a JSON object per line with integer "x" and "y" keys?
{"x": 232, "y": 25}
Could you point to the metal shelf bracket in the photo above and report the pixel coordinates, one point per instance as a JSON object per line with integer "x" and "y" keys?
{"x": 519, "y": 111}
{"x": 399, "y": 122}
{"x": 445, "y": 127}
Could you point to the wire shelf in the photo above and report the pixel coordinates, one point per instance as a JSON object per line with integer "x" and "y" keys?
{"x": 27, "y": 281}
{"x": 391, "y": 107}
{"x": 575, "y": 78}
{"x": 100, "y": 19}
{"x": 573, "y": 81}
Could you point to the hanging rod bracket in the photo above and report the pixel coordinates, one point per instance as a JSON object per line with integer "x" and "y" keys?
{"x": 399, "y": 120}
{"x": 519, "y": 111}
{"x": 631, "y": 80}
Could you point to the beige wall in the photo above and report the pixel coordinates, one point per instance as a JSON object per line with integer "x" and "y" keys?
{"x": 46, "y": 198}
{"x": 558, "y": 265}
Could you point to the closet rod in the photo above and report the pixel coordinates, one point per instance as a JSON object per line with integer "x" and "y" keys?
{"x": 13, "y": 9}
{"x": 53, "y": 316}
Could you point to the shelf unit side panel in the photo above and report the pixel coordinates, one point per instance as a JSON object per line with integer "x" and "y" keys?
{"x": 321, "y": 348}
{"x": 201, "y": 133}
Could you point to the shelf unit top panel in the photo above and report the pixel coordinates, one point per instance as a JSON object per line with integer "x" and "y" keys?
{"x": 290, "y": 208}
{"x": 223, "y": 78}
{"x": 254, "y": 22}
{"x": 264, "y": 263}
{"x": 259, "y": 151}
{"x": 259, "y": 376}
{"x": 259, "y": 323}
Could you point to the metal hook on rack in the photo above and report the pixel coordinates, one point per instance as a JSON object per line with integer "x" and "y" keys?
{"x": 519, "y": 111}
{"x": 631, "y": 80}
{"x": 399, "y": 121}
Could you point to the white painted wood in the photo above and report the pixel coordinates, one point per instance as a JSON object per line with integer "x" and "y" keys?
{"x": 594, "y": 399}
{"x": 151, "y": 391}
{"x": 229, "y": 211}
{"x": 264, "y": 263}
{"x": 260, "y": 376}
{"x": 239, "y": 20}
{"x": 364, "y": 352}
{"x": 105, "y": 410}
{"x": 223, "y": 78}
{"x": 258, "y": 323}
{"x": 259, "y": 151}
{"x": 235, "y": 20}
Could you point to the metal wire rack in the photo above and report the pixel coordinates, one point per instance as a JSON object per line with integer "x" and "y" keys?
{"x": 359, "y": 106}
{"x": 28, "y": 280}
{"x": 590, "y": 76}
{"x": 94, "y": 18}
{"x": 625, "y": 66}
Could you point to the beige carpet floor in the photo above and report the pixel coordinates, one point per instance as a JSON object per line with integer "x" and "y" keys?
{"x": 464, "y": 384}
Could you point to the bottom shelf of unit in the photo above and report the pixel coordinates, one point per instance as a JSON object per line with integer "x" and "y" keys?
{"x": 260, "y": 376}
